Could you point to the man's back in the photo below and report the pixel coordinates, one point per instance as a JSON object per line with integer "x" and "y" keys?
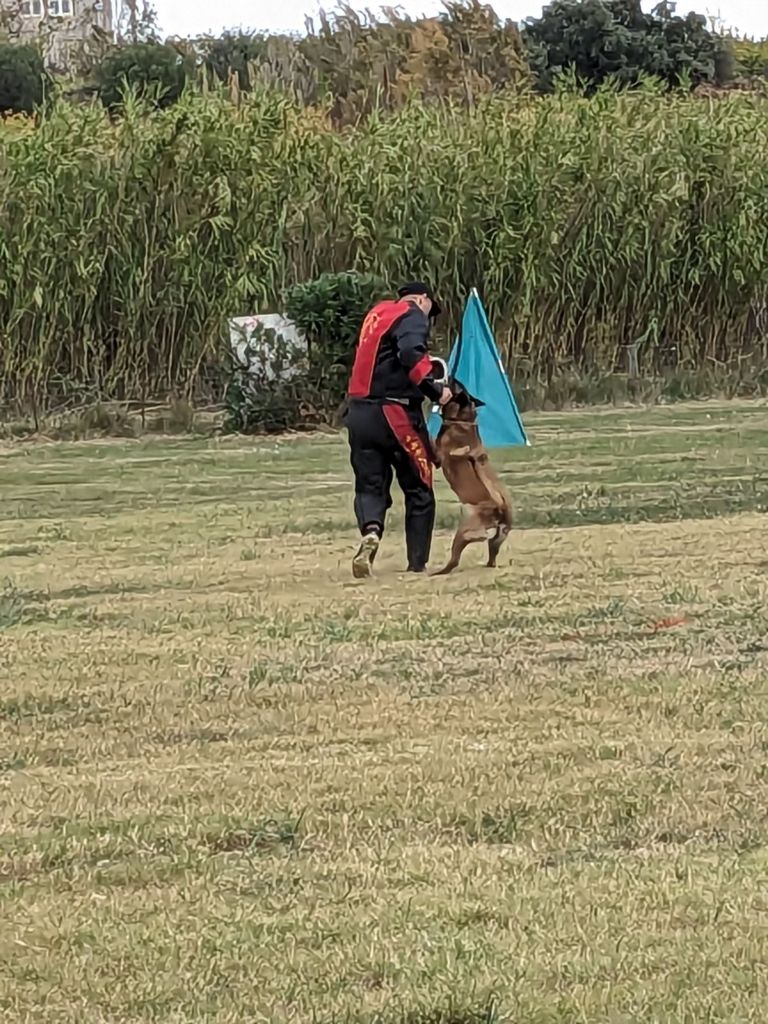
{"x": 391, "y": 359}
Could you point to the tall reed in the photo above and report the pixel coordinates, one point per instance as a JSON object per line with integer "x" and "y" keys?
{"x": 587, "y": 225}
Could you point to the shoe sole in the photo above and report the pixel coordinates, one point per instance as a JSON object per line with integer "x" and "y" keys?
{"x": 362, "y": 563}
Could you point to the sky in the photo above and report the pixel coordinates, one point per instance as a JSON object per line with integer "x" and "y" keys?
{"x": 195, "y": 17}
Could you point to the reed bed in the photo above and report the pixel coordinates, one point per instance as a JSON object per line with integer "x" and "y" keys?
{"x": 589, "y": 225}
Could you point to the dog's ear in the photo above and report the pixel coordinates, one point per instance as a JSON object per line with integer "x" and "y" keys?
{"x": 462, "y": 396}
{"x": 462, "y": 399}
{"x": 471, "y": 400}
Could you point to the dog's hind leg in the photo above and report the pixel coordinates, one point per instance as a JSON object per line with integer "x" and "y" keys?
{"x": 494, "y": 544}
{"x": 471, "y": 530}
{"x": 504, "y": 514}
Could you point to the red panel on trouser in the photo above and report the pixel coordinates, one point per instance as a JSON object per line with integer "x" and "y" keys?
{"x": 380, "y": 320}
{"x": 400, "y": 423}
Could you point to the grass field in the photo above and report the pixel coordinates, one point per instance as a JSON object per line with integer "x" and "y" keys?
{"x": 238, "y": 786}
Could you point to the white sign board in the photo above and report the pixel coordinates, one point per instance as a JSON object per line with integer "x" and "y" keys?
{"x": 256, "y": 350}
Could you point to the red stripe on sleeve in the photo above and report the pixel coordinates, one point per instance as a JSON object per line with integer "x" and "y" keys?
{"x": 421, "y": 370}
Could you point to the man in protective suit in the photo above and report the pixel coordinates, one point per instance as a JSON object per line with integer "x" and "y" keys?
{"x": 391, "y": 377}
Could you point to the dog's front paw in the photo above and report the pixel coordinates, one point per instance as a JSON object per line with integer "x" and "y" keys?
{"x": 458, "y": 452}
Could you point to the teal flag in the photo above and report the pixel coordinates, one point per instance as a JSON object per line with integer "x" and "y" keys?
{"x": 475, "y": 362}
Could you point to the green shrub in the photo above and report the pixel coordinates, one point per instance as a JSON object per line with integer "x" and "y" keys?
{"x": 157, "y": 73}
{"x": 329, "y": 312}
{"x": 24, "y": 83}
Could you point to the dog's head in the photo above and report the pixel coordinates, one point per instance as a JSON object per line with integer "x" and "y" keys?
{"x": 462, "y": 406}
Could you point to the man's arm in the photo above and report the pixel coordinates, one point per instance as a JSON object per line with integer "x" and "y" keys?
{"x": 411, "y": 334}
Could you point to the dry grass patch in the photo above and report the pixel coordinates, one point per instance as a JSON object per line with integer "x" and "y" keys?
{"x": 247, "y": 788}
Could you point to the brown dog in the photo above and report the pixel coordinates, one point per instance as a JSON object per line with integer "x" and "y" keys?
{"x": 466, "y": 467}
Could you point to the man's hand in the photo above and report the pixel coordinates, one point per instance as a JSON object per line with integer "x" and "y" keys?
{"x": 446, "y": 396}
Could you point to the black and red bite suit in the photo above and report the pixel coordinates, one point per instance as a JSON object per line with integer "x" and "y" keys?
{"x": 391, "y": 376}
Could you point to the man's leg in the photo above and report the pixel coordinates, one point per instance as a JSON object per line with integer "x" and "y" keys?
{"x": 419, "y": 512}
{"x": 373, "y": 482}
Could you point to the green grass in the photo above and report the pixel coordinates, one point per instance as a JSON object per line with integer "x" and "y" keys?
{"x": 235, "y": 785}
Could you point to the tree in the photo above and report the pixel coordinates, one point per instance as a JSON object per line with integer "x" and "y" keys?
{"x": 616, "y": 39}
{"x": 358, "y": 63}
{"x": 24, "y": 83}
{"x": 136, "y": 21}
{"x": 363, "y": 63}
{"x": 157, "y": 72}
{"x": 235, "y": 53}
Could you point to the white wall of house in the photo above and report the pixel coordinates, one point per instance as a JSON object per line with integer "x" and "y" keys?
{"x": 60, "y": 25}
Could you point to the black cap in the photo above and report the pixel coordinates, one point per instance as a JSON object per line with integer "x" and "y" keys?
{"x": 419, "y": 288}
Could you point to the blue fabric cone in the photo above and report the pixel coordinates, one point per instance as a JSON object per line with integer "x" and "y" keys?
{"x": 476, "y": 363}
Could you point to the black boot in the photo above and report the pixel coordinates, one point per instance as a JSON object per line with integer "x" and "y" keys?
{"x": 419, "y": 523}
